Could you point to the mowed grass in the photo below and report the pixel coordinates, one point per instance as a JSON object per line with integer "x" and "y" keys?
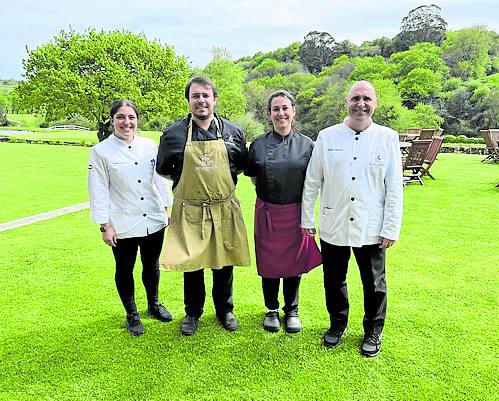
{"x": 27, "y": 120}
{"x": 63, "y": 336}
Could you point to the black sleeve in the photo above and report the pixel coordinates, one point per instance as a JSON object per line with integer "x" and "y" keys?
{"x": 251, "y": 169}
{"x": 171, "y": 153}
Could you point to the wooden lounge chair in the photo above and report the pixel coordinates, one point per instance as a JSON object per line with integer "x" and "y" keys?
{"x": 491, "y": 137}
{"x": 427, "y": 133}
{"x": 413, "y": 164}
{"x": 431, "y": 155}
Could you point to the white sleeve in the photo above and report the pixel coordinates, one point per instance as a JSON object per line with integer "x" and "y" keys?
{"x": 98, "y": 188}
{"x": 164, "y": 186}
{"x": 394, "y": 193}
{"x": 312, "y": 186}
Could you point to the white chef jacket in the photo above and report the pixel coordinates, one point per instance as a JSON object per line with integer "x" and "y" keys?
{"x": 359, "y": 177}
{"x": 125, "y": 190}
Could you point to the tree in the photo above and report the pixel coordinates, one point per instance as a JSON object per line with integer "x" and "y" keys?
{"x": 420, "y": 86}
{"x": 422, "y": 24}
{"x": 228, "y": 78}
{"x": 421, "y": 55}
{"x": 466, "y": 51}
{"x": 84, "y": 73}
{"x": 317, "y": 51}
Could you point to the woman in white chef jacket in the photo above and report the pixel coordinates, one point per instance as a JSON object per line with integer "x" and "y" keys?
{"x": 129, "y": 201}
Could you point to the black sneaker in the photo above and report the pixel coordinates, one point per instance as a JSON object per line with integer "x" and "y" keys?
{"x": 159, "y": 312}
{"x": 371, "y": 344}
{"x": 292, "y": 322}
{"x": 333, "y": 336}
{"x": 271, "y": 322}
{"x": 228, "y": 321}
{"x": 133, "y": 324}
{"x": 189, "y": 325}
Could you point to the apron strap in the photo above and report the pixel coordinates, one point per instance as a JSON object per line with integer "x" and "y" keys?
{"x": 217, "y": 125}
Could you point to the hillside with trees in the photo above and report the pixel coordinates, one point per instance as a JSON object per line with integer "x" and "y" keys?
{"x": 425, "y": 76}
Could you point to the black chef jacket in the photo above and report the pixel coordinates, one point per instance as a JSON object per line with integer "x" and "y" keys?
{"x": 172, "y": 145}
{"x": 279, "y": 165}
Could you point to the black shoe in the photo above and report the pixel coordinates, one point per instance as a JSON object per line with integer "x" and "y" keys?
{"x": 159, "y": 312}
{"x": 271, "y": 322}
{"x": 228, "y": 321}
{"x": 333, "y": 336}
{"x": 371, "y": 344}
{"x": 292, "y": 322}
{"x": 133, "y": 324}
{"x": 189, "y": 325}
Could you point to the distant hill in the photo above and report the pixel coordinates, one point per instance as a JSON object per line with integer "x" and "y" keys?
{"x": 7, "y": 85}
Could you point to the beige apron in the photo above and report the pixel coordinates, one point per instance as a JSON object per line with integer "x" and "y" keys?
{"x": 207, "y": 227}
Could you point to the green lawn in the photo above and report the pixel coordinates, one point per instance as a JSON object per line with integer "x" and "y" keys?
{"x": 27, "y": 121}
{"x": 63, "y": 335}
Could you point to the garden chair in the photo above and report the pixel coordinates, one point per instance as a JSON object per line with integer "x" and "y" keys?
{"x": 431, "y": 155}
{"x": 427, "y": 133}
{"x": 413, "y": 131}
{"x": 491, "y": 138}
{"x": 413, "y": 164}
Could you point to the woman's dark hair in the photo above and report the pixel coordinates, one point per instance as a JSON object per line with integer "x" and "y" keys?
{"x": 280, "y": 93}
{"x": 201, "y": 81}
{"x": 122, "y": 102}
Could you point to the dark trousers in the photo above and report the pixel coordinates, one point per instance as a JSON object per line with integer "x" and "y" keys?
{"x": 371, "y": 262}
{"x": 195, "y": 293}
{"x": 125, "y": 254}
{"x": 290, "y": 286}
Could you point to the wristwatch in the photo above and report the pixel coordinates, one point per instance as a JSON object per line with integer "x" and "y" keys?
{"x": 103, "y": 228}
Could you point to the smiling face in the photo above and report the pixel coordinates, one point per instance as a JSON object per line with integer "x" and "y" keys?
{"x": 201, "y": 101}
{"x": 282, "y": 113}
{"x": 361, "y": 103}
{"x": 125, "y": 123}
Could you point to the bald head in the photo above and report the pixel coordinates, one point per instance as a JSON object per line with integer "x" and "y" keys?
{"x": 364, "y": 86}
{"x": 361, "y": 103}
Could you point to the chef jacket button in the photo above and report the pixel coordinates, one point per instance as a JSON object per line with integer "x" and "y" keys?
{"x": 144, "y": 215}
{"x": 139, "y": 181}
{"x": 355, "y": 158}
{"x": 356, "y": 138}
{"x": 352, "y": 199}
{"x": 129, "y": 147}
{"x": 142, "y": 198}
{"x": 351, "y": 218}
{"x": 136, "y": 163}
{"x": 353, "y": 178}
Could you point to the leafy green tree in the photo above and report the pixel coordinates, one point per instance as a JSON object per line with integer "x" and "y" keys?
{"x": 421, "y": 55}
{"x": 229, "y": 79}
{"x": 466, "y": 51}
{"x": 420, "y": 86}
{"x": 424, "y": 115}
{"x": 84, "y": 72}
{"x": 369, "y": 68}
{"x": 422, "y": 24}
{"x": 317, "y": 51}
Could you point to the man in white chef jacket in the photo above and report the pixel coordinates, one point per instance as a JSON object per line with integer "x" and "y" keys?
{"x": 356, "y": 166}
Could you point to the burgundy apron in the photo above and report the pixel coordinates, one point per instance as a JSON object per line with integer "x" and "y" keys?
{"x": 282, "y": 250}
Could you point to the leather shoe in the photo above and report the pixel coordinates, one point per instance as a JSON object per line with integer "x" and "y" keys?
{"x": 189, "y": 325}
{"x": 371, "y": 344}
{"x": 333, "y": 336}
{"x": 133, "y": 324}
{"x": 271, "y": 322}
{"x": 228, "y": 321}
{"x": 159, "y": 312}
{"x": 292, "y": 322}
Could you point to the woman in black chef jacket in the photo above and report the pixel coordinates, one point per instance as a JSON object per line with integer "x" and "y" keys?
{"x": 277, "y": 165}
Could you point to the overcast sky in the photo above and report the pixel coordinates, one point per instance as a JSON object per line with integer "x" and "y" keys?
{"x": 193, "y": 28}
